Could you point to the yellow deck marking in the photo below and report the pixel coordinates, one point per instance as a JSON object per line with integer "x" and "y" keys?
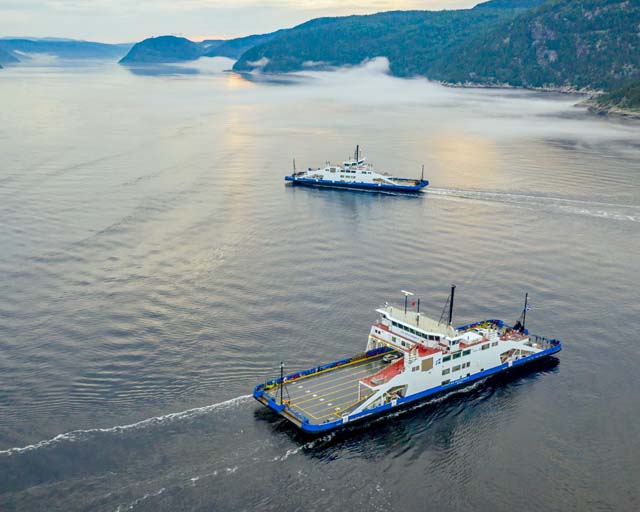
{"x": 331, "y": 407}
{"x": 335, "y": 368}
{"x": 339, "y": 413}
{"x": 293, "y": 381}
{"x": 350, "y": 385}
{"x": 322, "y": 391}
{"x": 342, "y": 376}
{"x": 307, "y": 413}
{"x": 316, "y": 404}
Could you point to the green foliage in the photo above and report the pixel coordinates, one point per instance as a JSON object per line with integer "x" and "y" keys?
{"x": 162, "y": 49}
{"x": 409, "y": 39}
{"x": 176, "y": 49}
{"x": 234, "y": 48}
{"x": 573, "y": 43}
{"x": 626, "y": 97}
{"x": 584, "y": 44}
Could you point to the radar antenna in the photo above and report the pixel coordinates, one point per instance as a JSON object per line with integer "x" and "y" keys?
{"x": 449, "y": 303}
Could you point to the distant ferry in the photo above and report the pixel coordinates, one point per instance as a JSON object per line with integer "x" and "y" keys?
{"x": 409, "y": 357}
{"x": 355, "y": 174}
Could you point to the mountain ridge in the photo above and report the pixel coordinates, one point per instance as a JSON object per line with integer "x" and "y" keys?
{"x": 165, "y": 49}
{"x": 162, "y": 49}
{"x": 64, "y": 48}
{"x": 590, "y": 45}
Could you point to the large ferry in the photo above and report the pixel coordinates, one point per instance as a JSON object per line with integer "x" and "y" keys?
{"x": 355, "y": 174}
{"x": 408, "y": 357}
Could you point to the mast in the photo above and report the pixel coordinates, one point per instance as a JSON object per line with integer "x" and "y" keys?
{"x": 524, "y": 311}
{"x": 357, "y": 153}
{"x": 281, "y": 382}
{"x": 406, "y": 297}
{"x": 422, "y": 175}
{"x": 294, "y": 166}
{"x": 418, "y": 313}
{"x": 453, "y": 291}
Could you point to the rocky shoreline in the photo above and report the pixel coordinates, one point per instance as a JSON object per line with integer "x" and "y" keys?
{"x": 590, "y": 101}
{"x": 606, "y": 110}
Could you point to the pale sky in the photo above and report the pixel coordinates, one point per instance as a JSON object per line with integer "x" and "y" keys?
{"x": 134, "y": 20}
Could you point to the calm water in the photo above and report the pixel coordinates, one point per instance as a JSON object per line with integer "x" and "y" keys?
{"x": 155, "y": 268}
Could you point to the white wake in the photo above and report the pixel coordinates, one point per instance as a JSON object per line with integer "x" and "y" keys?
{"x": 77, "y": 435}
{"x": 613, "y": 211}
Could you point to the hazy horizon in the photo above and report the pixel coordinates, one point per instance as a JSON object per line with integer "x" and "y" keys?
{"x": 118, "y": 21}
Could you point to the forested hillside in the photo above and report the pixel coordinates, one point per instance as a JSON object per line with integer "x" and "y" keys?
{"x": 591, "y": 44}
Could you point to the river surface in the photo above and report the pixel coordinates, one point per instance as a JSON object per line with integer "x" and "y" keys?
{"x": 155, "y": 268}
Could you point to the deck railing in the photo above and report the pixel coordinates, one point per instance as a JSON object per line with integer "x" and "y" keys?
{"x": 544, "y": 342}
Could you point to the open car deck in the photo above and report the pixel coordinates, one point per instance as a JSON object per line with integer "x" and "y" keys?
{"x": 319, "y": 396}
{"x": 329, "y": 394}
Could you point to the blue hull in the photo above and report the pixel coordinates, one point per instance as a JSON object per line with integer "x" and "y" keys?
{"x": 368, "y": 187}
{"x": 314, "y": 428}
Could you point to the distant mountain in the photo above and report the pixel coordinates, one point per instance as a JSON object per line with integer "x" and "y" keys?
{"x": 162, "y": 49}
{"x": 176, "y": 49}
{"x": 411, "y": 40}
{"x": 7, "y": 57}
{"x": 69, "y": 49}
{"x": 590, "y": 44}
{"x": 234, "y": 48}
{"x": 448, "y": 25}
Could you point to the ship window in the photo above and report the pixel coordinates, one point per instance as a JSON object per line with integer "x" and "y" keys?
{"x": 485, "y": 347}
{"x": 445, "y": 382}
{"x": 455, "y": 368}
{"x": 393, "y": 338}
{"x": 436, "y": 338}
{"x": 466, "y": 352}
{"x": 494, "y": 344}
{"x": 333, "y": 170}
{"x": 456, "y": 355}
{"x": 446, "y": 371}
{"x": 446, "y": 358}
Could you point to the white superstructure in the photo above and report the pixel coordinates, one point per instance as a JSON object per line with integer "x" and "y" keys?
{"x": 433, "y": 354}
{"x": 354, "y": 172}
{"x": 409, "y": 356}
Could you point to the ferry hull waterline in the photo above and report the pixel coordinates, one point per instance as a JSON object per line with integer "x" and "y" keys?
{"x": 409, "y": 357}
{"x": 355, "y": 174}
